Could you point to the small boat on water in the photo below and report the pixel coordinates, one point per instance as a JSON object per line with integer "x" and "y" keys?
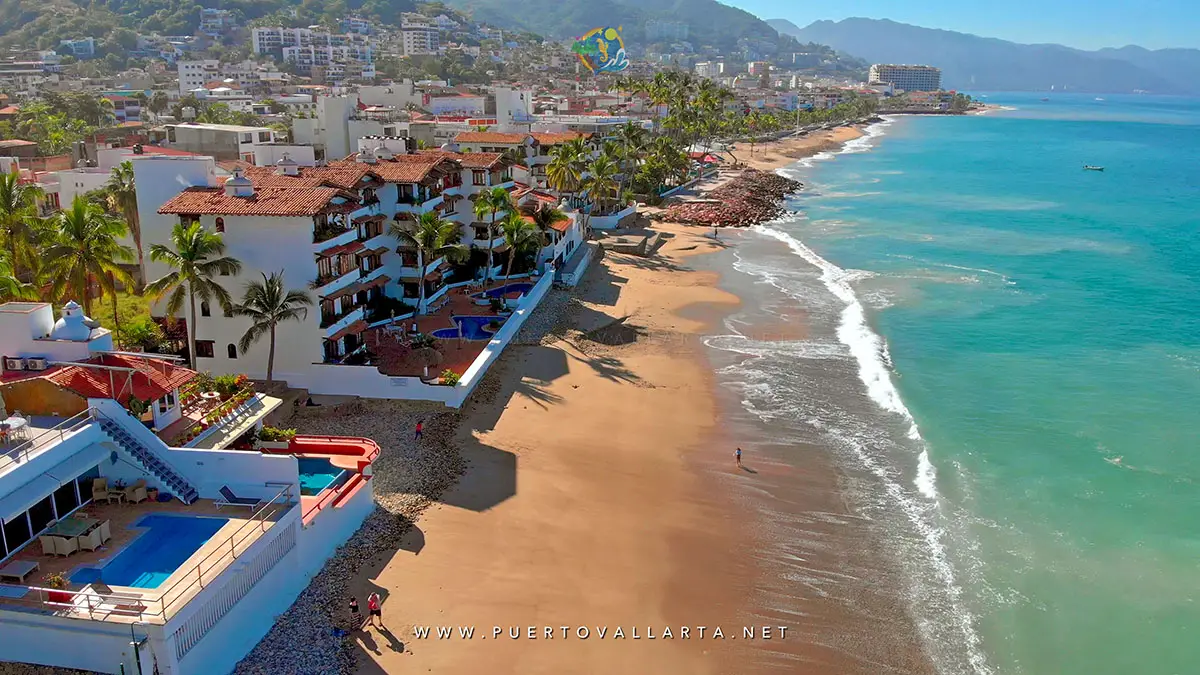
{"x": 1089, "y": 167}
{"x": 1045, "y": 99}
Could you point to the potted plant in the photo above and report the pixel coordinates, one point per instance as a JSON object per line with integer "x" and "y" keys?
{"x": 450, "y": 378}
{"x": 58, "y": 582}
{"x": 497, "y": 304}
{"x": 274, "y": 438}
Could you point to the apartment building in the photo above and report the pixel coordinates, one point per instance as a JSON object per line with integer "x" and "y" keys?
{"x": 214, "y": 22}
{"x": 356, "y": 24}
{"x": 907, "y": 78}
{"x": 710, "y": 69}
{"x": 176, "y": 552}
{"x": 221, "y": 141}
{"x": 419, "y": 35}
{"x": 269, "y": 40}
{"x": 83, "y": 48}
{"x": 325, "y": 227}
{"x": 196, "y": 74}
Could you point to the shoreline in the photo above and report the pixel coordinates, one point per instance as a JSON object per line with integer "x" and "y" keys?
{"x": 773, "y": 155}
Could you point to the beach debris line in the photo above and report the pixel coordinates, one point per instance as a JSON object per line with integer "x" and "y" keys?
{"x": 749, "y": 199}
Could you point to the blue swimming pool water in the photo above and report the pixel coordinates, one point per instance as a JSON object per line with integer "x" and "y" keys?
{"x": 169, "y": 540}
{"x": 502, "y": 291}
{"x": 473, "y": 328}
{"x": 317, "y": 474}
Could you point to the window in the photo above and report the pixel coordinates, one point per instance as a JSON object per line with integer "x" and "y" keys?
{"x": 231, "y": 350}
{"x": 247, "y": 138}
{"x": 65, "y": 499}
{"x": 204, "y": 309}
{"x": 264, "y": 137}
{"x": 16, "y": 532}
{"x": 41, "y": 514}
{"x": 478, "y": 177}
{"x": 220, "y": 224}
{"x": 204, "y": 349}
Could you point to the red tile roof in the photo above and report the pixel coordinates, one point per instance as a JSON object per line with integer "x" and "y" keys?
{"x": 549, "y": 138}
{"x": 153, "y": 379}
{"x": 9, "y": 110}
{"x": 297, "y": 201}
{"x": 490, "y": 137}
{"x": 469, "y": 160}
{"x": 341, "y": 174}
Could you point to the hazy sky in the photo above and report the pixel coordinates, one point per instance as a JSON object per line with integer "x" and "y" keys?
{"x": 1078, "y": 23}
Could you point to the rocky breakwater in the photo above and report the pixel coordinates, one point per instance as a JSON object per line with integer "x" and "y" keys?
{"x": 749, "y": 199}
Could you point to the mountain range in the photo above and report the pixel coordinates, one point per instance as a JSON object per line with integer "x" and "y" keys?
{"x": 974, "y": 63}
{"x": 708, "y": 21}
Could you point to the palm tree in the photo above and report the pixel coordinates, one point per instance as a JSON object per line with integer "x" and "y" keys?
{"x": 197, "y": 257}
{"x": 564, "y": 173}
{"x": 18, "y": 220}
{"x": 432, "y": 236}
{"x": 268, "y": 304}
{"x": 122, "y": 197}
{"x": 87, "y": 247}
{"x": 600, "y": 182}
{"x": 11, "y": 287}
{"x": 159, "y": 103}
{"x": 521, "y": 236}
{"x": 490, "y": 203}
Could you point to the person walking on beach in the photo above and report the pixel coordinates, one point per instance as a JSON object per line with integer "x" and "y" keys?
{"x": 420, "y": 428}
{"x": 355, "y": 618}
{"x": 375, "y": 608}
{"x": 738, "y": 455}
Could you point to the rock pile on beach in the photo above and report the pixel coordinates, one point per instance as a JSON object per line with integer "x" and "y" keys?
{"x": 749, "y": 199}
{"x": 408, "y": 476}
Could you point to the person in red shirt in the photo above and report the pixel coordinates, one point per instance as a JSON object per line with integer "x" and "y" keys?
{"x": 420, "y": 428}
{"x": 374, "y": 609}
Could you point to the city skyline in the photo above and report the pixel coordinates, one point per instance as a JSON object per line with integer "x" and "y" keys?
{"x": 1094, "y": 25}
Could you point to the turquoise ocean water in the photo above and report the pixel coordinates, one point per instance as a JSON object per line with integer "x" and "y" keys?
{"x": 1027, "y": 336}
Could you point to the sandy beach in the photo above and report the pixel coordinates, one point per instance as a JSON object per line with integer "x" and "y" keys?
{"x": 578, "y": 507}
{"x": 776, "y": 154}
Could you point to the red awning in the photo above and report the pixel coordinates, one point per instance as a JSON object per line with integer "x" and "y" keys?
{"x": 344, "y": 249}
{"x": 353, "y": 329}
{"x": 378, "y": 217}
{"x": 361, "y": 286}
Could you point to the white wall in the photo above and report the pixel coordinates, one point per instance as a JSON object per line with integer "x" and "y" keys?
{"x": 268, "y": 154}
{"x": 66, "y": 643}
{"x": 610, "y": 222}
{"x": 246, "y": 473}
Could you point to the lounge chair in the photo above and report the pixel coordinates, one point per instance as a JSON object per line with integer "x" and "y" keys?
{"x": 105, "y": 531}
{"x": 65, "y": 546}
{"x": 101, "y": 597}
{"x": 47, "y": 544}
{"x": 100, "y": 490}
{"x": 230, "y": 499}
{"x": 18, "y": 570}
{"x": 91, "y": 541}
{"x": 136, "y": 493}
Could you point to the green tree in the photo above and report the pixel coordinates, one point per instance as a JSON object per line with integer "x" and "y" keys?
{"x": 197, "y": 258}
{"x": 268, "y": 304}
{"x": 87, "y": 248}
{"x": 432, "y": 236}
{"x": 122, "y": 198}
{"x": 564, "y": 173}
{"x": 601, "y": 183}
{"x": 521, "y": 236}
{"x": 18, "y": 221}
{"x": 488, "y": 204}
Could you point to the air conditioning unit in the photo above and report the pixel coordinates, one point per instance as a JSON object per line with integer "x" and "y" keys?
{"x": 36, "y": 363}
{"x": 13, "y": 364}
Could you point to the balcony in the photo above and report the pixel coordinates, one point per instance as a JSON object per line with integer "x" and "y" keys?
{"x": 409, "y": 269}
{"x": 334, "y": 236}
{"x": 411, "y": 204}
{"x": 346, "y": 320}
{"x": 326, "y": 286}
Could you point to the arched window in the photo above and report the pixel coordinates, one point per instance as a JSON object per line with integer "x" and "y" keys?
{"x": 232, "y": 350}
{"x": 204, "y": 310}
{"x": 220, "y": 224}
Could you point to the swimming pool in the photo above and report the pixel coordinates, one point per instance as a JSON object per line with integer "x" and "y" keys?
{"x": 473, "y": 328}
{"x": 318, "y": 474}
{"x": 502, "y": 291}
{"x": 169, "y": 540}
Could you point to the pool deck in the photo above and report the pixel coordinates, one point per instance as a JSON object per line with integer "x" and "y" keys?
{"x": 457, "y": 355}
{"x": 175, "y": 590}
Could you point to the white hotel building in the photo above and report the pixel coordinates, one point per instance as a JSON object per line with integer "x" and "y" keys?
{"x": 907, "y": 78}
{"x": 125, "y": 551}
{"x": 326, "y": 229}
